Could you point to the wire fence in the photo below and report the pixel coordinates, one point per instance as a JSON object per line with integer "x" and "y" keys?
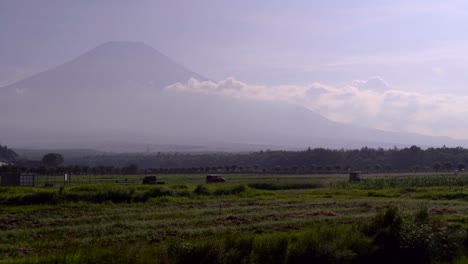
{"x": 75, "y": 180}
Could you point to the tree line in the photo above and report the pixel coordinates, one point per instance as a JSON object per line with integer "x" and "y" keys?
{"x": 310, "y": 160}
{"x": 317, "y": 160}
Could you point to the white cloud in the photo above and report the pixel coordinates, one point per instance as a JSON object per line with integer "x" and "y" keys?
{"x": 370, "y": 103}
{"x": 374, "y": 83}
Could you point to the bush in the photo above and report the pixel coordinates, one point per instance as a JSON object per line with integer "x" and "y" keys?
{"x": 336, "y": 244}
{"x": 228, "y": 190}
{"x": 270, "y": 248}
{"x": 422, "y": 215}
{"x": 39, "y": 198}
{"x": 202, "y": 190}
{"x": 210, "y": 251}
{"x": 149, "y": 180}
{"x": 238, "y": 248}
{"x": 153, "y": 193}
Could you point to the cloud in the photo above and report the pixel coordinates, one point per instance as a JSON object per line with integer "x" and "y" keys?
{"x": 374, "y": 83}
{"x": 371, "y": 103}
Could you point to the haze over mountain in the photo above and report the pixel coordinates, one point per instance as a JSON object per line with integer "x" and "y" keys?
{"x": 112, "y": 65}
{"x": 117, "y": 94}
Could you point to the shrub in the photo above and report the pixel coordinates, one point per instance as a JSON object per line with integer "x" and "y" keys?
{"x": 227, "y": 190}
{"x": 149, "y": 180}
{"x": 335, "y": 244}
{"x": 202, "y": 190}
{"x": 38, "y": 198}
{"x": 270, "y": 248}
{"x": 238, "y": 248}
{"x": 421, "y": 215}
{"x": 153, "y": 193}
{"x": 201, "y": 252}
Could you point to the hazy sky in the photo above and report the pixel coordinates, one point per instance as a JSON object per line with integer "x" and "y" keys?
{"x": 417, "y": 50}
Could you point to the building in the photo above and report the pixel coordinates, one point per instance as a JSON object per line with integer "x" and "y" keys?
{"x": 18, "y": 179}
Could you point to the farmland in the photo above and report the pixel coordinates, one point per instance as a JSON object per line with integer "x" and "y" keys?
{"x": 253, "y": 218}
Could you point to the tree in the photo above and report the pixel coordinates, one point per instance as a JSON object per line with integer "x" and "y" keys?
{"x": 461, "y": 167}
{"x": 448, "y": 166}
{"x": 436, "y": 166}
{"x": 130, "y": 169}
{"x": 7, "y": 154}
{"x": 52, "y": 159}
{"x": 388, "y": 167}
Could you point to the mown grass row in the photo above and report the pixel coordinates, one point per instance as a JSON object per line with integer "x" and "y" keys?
{"x": 128, "y": 194}
{"x": 404, "y": 182}
{"x": 387, "y": 238}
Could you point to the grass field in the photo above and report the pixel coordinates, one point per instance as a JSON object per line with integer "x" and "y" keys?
{"x": 249, "y": 219}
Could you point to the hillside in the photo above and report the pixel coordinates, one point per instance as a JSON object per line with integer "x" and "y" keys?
{"x": 114, "y": 95}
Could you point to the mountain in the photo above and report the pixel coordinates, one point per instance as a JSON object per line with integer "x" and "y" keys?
{"x": 114, "y": 95}
{"x": 112, "y": 65}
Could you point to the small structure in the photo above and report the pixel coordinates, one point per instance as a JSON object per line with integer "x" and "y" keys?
{"x": 18, "y": 179}
{"x": 355, "y": 176}
{"x": 149, "y": 180}
{"x": 214, "y": 178}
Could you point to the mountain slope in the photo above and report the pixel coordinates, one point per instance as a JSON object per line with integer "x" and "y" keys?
{"x": 112, "y": 65}
{"x": 114, "y": 94}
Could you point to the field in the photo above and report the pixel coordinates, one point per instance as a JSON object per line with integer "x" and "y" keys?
{"x": 260, "y": 218}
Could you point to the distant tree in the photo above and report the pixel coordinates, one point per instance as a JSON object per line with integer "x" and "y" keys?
{"x": 7, "y": 154}
{"x": 436, "y": 166}
{"x": 448, "y": 166}
{"x": 294, "y": 169}
{"x": 277, "y": 169}
{"x": 42, "y": 170}
{"x": 233, "y": 168}
{"x": 130, "y": 169}
{"x": 461, "y": 167}
{"x": 85, "y": 169}
{"x": 388, "y": 167}
{"x": 52, "y": 159}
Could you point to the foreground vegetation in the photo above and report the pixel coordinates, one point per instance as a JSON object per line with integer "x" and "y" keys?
{"x": 250, "y": 219}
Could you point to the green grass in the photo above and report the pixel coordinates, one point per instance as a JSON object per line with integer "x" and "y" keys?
{"x": 249, "y": 219}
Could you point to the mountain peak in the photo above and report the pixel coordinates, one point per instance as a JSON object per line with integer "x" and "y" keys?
{"x": 122, "y": 46}
{"x": 127, "y": 52}
{"x": 112, "y": 64}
